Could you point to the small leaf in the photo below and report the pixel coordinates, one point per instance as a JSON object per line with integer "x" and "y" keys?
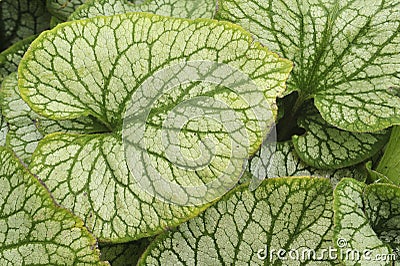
{"x": 352, "y": 229}
{"x": 20, "y": 19}
{"x": 327, "y": 147}
{"x": 173, "y": 8}
{"x": 281, "y": 160}
{"x": 244, "y": 227}
{"x": 345, "y": 53}
{"x": 125, "y": 254}
{"x": 33, "y": 229}
{"x": 68, "y": 73}
{"x": 389, "y": 165}
{"x": 10, "y": 58}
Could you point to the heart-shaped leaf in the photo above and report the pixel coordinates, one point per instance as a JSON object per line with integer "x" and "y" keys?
{"x": 355, "y": 221}
{"x": 251, "y": 228}
{"x": 20, "y": 19}
{"x": 81, "y": 68}
{"x": 33, "y": 229}
{"x": 327, "y": 147}
{"x": 345, "y": 53}
{"x": 173, "y": 8}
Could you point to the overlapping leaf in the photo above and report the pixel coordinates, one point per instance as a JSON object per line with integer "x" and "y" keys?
{"x": 382, "y": 207}
{"x": 345, "y": 53}
{"x": 33, "y": 229}
{"x": 10, "y": 58}
{"x": 244, "y": 227}
{"x": 21, "y": 19}
{"x": 327, "y": 147}
{"x": 23, "y": 135}
{"x": 82, "y": 68}
{"x": 389, "y": 165}
{"x": 281, "y": 160}
{"x": 62, "y": 9}
{"x": 375, "y": 176}
{"x": 174, "y": 8}
{"x": 359, "y": 226}
{"x": 26, "y": 127}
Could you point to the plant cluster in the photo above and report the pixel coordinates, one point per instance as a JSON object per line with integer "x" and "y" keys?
{"x": 289, "y": 109}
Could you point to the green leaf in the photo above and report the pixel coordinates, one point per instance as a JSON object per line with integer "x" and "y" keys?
{"x": 10, "y": 58}
{"x": 173, "y": 8}
{"x": 284, "y": 213}
{"x": 125, "y": 254}
{"x": 33, "y": 229}
{"x": 382, "y": 207}
{"x": 26, "y": 128}
{"x": 345, "y": 54}
{"x": 327, "y": 147}
{"x": 353, "y": 230}
{"x": 68, "y": 74}
{"x": 62, "y": 9}
{"x": 376, "y": 176}
{"x": 20, "y": 19}
{"x": 23, "y": 135}
{"x": 389, "y": 165}
{"x": 281, "y": 160}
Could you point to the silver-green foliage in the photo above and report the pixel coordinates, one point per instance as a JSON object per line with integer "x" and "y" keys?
{"x": 21, "y": 19}
{"x": 244, "y": 227}
{"x": 33, "y": 229}
{"x": 174, "y": 8}
{"x": 345, "y": 54}
{"x": 366, "y": 221}
{"x": 81, "y": 68}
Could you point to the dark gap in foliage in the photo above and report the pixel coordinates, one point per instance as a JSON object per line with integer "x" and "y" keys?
{"x": 287, "y": 123}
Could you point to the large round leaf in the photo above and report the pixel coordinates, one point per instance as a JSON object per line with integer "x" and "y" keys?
{"x": 87, "y": 68}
